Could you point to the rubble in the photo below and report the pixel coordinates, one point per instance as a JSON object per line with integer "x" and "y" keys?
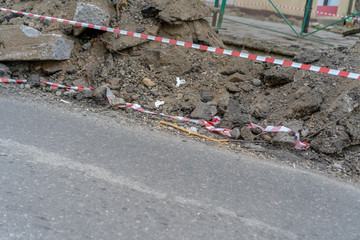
{"x": 324, "y": 108}
{"x": 203, "y": 111}
{"x": 4, "y": 71}
{"x": 92, "y": 14}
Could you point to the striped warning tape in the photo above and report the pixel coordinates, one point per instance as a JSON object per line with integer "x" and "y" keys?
{"x": 298, "y": 144}
{"x": 56, "y": 85}
{"x": 196, "y": 46}
{"x": 284, "y": 7}
{"x": 53, "y": 85}
{"x": 7, "y": 80}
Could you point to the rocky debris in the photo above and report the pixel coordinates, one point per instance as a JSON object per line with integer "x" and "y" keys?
{"x": 203, "y": 111}
{"x": 235, "y": 133}
{"x": 237, "y": 77}
{"x": 88, "y": 94}
{"x": 92, "y": 14}
{"x": 51, "y": 67}
{"x": 206, "y": 95}
{"x": 345, "y": 103}
{"x": 288, "y": 139}
{"x": 114, "y": 83}
{"x": 306, "y": 102}
{"x": 332, "y": 140}
{"x": 118, "y": 101}
{"x": 197, "y": 32}
{"x": 279, "y": 75}
{"x": 99, "y": 95}
{"x": 178, "y": 11}
{"x": 256, "y": 82}
{"x": 34, "y": 80}
{"x": 116, "y": 43}
{"x": 5, "y": 72}
{"x": 236, "y": 115}
{"x": 238, "y": 90}
{"x": 246, "y": 134}
{"x": 147, "y": 82}
{"x": 170, "y": 59}
{"x": 23, "y": 43}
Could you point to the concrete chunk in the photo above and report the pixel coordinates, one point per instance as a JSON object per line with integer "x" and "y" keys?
{"x": 23, "y": 43}
{"x": 89, "y": 13}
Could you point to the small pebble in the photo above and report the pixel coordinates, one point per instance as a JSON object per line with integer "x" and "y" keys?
{"x": 256, "y": 82}
{"x": 338, "y": 166}
{"x": 58, "y": 93}
{"x": 27, "y": 86}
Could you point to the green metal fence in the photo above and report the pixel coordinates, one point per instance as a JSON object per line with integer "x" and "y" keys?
{"x": 300, "y": 35}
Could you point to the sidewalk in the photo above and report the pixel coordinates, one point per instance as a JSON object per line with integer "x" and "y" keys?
{"x": 241, "y": 34}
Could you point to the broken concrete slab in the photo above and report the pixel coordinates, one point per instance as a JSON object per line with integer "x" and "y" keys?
{"x": 236, "y": 115}
{"x": 203, "y": 111}
{"x": 170, "y": 59}
{"x": 115, "y": 42}
{"x": 279, "y": 75}
{"x": 332, "y": 140}
{"x": 177, "y": 11}
{"x": 23, "y": 43}
{"x": 288, "y": 139}
{"x": 92, "y": 14}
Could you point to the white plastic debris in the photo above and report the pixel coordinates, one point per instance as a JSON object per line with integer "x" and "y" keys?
{"x": 179, "y": 82}
{"x": 158, "y": 103}
{"x": 62, "y": 100}
{"x": 193, "y": 129}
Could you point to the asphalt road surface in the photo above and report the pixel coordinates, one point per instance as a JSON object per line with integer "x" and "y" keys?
{"x": 69, "y": 176}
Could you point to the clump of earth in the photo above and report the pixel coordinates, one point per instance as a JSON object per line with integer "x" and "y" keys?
{"x": 323, "y": 108}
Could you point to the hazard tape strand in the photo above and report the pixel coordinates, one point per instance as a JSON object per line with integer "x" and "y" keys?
{"x": 196, "y": 46}
{"x": 53, "y": 85}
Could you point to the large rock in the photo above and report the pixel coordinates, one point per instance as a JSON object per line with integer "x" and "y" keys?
{"x": 171, "y": 59}
{"x": 332, "y": 140}
{"x": 279, "y": 75}
{"x": 306, "y": 102}
{"x": 288, "y": 139}
{"x": 116, "y": 42}
{"x": 203, "y": 111}
{"x": 92, "y": 14}
{"x": 4, "y": 71}
{"x": 177, "y": 11}
{"x": 22, "y": 43}
{"x": 198, "y": 32}
{"x": 236, "y": 115}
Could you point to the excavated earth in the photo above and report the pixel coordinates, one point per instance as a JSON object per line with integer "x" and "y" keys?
{"x": 323, "y": 108}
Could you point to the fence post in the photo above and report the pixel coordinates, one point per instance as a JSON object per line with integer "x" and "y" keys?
{"x": 222, "y": 11}
{"x": 306, "y": 21}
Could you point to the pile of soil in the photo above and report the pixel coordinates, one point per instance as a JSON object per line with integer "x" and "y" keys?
{"x": 323, "y": 108}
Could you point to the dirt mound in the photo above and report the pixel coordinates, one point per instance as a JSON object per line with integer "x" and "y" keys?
{"x": 323, "y": 108}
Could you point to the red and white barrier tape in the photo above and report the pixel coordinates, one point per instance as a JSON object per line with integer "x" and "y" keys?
{"x": 56, "y": 85}
{"x": 196, "y": 46}
{"x": 298, "y": 145}
{"x": 8, "y": 80}
{"x": 284, "y": 7}
{"x": 53, "y": 85}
